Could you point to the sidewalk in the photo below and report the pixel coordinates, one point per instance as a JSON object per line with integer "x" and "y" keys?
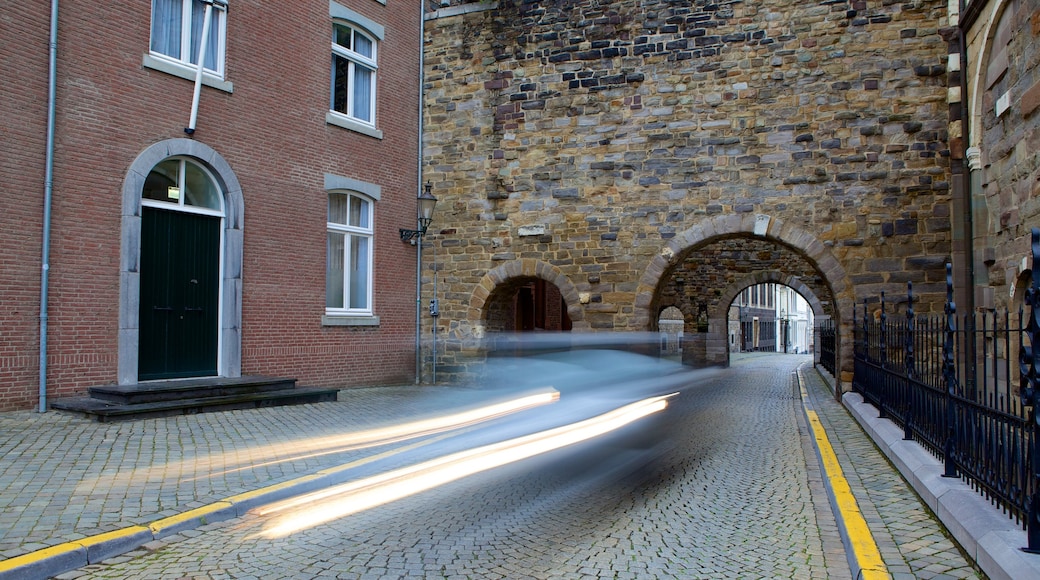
{"x": 879, "y": 468}
{"x": 910, "y": 541}
{"x": 74, "y": 492}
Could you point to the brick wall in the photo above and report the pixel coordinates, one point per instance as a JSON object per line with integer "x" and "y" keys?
{"x": 271, "y": 130}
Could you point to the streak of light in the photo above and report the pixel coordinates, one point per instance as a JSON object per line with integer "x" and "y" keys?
{"x": 320, "y": 507}
{"x": 273, "y": 454}
{"x": 405, "y": 431}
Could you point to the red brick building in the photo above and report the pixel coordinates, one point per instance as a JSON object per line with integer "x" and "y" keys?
{"x": 250, "y": 227}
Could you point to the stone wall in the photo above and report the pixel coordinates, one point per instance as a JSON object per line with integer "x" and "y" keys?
{"x": 605, "y": 143}
{"x": 1004, "y": 89}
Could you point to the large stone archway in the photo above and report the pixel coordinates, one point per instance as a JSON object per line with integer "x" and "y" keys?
{"x": 833, "y": 296}
{"x": 612, "y": 155}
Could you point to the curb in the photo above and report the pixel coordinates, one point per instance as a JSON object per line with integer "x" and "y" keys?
{"x": 990, "y": 538}
{"x": 862, "y": 552}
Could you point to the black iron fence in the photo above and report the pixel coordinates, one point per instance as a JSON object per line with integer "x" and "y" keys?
{"x": 826, "y": 340}
{"x": 952, "y": 383}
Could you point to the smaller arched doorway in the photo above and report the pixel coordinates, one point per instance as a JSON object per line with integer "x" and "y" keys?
{"x": 671, "y": 324}
{"x": 191, "y": 186}
{"x": 526, "y": 304}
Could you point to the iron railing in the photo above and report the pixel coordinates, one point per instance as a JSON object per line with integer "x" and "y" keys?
{"x": 826, "y": 340}
{"x": 950, "y": 382}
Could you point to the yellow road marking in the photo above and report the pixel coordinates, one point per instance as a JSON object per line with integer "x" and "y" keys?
{"x": 197, "y": 513}
{"x": 860, "y": 539}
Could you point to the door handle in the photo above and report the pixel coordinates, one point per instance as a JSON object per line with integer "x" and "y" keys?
{"x": 190, "y": 309}
{"x": 162, "y": 308}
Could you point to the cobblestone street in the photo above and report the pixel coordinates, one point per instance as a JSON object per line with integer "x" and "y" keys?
{"x": 736, "y": 492}
{"x": 738, "y": 495}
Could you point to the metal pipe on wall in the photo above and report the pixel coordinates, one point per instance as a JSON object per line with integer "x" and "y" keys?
{"x": 418, "y": 187}
{"x": 48, "y": 191}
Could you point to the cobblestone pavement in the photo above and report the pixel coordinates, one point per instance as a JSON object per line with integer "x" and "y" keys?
{"x": 739, "y": 495}
{"x": 63, "y": 477}
{"x": 912, "y": 543}
{"x": 734, "y": 498}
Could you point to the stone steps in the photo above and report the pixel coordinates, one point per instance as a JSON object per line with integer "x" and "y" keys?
{"x": 186, "y": 397}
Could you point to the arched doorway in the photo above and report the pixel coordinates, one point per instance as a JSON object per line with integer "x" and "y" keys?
{"x": 180, "y": 265}
{"x": 703, "y": 269}
{"x": 181, "y": 216}
{"x": 527, "y": 304}
{"x": 671, "y": 324}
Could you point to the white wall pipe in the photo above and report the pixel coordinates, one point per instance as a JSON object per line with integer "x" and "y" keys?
{"x": 207, "y": 18}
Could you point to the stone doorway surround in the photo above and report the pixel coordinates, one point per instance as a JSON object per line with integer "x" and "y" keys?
{"x": 230, "y": 355}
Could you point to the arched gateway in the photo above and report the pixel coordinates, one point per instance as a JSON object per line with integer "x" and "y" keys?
{"x": 630, "y": 156}
{"x": 733, "y": 252}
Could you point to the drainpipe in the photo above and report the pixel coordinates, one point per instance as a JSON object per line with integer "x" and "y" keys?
{"x": 418, "y": 186}
{"x": 972, "y": 165}
{"x": 48, "y": 189}
{"x": 207, "y": 18}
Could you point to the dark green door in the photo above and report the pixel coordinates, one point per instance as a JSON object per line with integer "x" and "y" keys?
{"x": 179, "y": 289}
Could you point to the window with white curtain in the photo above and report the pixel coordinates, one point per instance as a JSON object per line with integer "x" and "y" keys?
{"x": 348, "y": 270}
{"x": 354, "y": 67}
{"x": 177, "y": 31}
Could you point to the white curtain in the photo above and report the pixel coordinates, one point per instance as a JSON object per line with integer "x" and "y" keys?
{"x": 198, "y": 12}
{"x": 166, "y": 27}
{"x": 363, "y": 92}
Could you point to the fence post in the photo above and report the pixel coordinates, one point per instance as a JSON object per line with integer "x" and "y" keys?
{"x": 1029, "y": 359}
{"x": 883, "y": 343}
{"x": 911, "y": 372}
{"x": 949, "y": 374}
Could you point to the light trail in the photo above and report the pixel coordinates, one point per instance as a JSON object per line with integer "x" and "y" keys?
{"x": 320, "y": 507}
{"x": 283, "y": 452}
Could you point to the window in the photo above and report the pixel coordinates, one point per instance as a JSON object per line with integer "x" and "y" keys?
{"x": 348, "y": 270}
{"x": 177, "y": 30}
{"x": 353, "y": 73}
{"x": 180, "y": 182}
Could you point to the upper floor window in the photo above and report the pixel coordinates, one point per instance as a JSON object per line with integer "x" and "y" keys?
{"x": 348, "y": 270}
{"x": 354, "y": 67}
{"x": 177, "y": 31}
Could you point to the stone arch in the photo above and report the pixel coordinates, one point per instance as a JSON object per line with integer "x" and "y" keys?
{"x": 229, "y": 362}
{"x": 525, "y": 268}
{"x": 981, "y": 63}
{"x": 729, "y": 294}
{"x": 768, "y": 228}
{"x": 718, "y": 320}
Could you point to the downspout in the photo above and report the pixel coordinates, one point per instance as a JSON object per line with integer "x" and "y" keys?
{"x": 48, "y": 189}
{"x": 972, "y": 164}
{"x": 418, "y": 186}
{"x": 207, "y": 21}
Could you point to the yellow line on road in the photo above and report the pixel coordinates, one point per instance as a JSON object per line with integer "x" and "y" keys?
{"x": 198, "y": 514}
{"x": 860, "y": 539}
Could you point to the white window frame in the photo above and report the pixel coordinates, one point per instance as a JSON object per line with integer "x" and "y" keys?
{"x": 180, "y": 204}
{"x": 349, "y": 232}
{"x": 355, "y": 60}
{"x": 181, "y": 65}
{"x": 376, "y": 34}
